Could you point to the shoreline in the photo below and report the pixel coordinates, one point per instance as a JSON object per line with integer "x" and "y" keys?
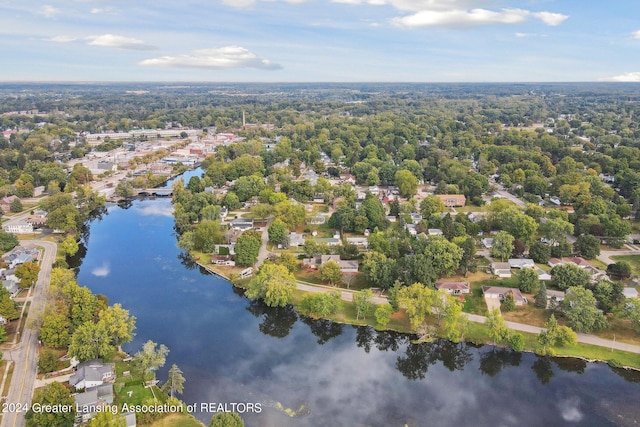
{"x": 614, "y": 365}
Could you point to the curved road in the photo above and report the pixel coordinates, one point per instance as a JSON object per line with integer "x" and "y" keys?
{"x": 25, "y": 353}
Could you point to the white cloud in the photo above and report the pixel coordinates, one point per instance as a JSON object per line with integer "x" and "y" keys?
{"x": 636, "y": 34}
{"x": 241, "y": 4}
{"x": 102, "y": 271}
{"x": 549, "y": 18}
{"x": 522, "y": 35}
{"x": 49, "y": 11}
{"x": 569, "y": 409}
{"x": 61, "y": 39}
{"x": 155, "y": 210}
{"x": 221, "y": 58}
{"x": 118, "y": 42}
{"x": 627, "y": 77}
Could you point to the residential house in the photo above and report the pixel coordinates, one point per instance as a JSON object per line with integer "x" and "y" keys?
{"x": 358, "y": 241}
{"x": 5, "y": 203}
{"x": 501, "y": 269}
{"x": 20, "y": 255}
{"x": 555, "y": 200}
{"x": 543, "y": 275}
{"x": 296, "y": 240}
{"x": 12, "y": 287}
{"x": 454, "y": 288}
{"x": 411, "y": 228}
{"x": 346, "y": 266}
{"x": 330, "y": 241}
{"x": 596, "y": 274}
{"x": 554, "y": 297}
{"x": 630, "y": 292}
{"x": 435, "y": 232}
{"x": 487, "y": 242}
{"x": 498, "y": 292}
{"x": 92, "y": 401}
{"x": 452, "y": 200}
{"x": 18, "y": 227}
{"x": 521, "y": 263}
{"x": 241, "y": 224}
{"x": 391, "y": 218}
{"x": 415, "y": 217}
{"x": 91, "y": 374}
{"x": 317, "y": 219}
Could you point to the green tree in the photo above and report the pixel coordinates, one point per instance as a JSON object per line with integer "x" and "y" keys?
{"x": 498, "y": 331}
{"x": 8, "y": 241}
{"x": 527, "y": 280}
{"x": 107, "y": 419}
{"x": 248, "y": 248}
{"x": 609, "y": 295}
{"x": 509, "y": 303}
{"x": 69, "y": 245}
{"x": 468, "y": 246}
{"x": 53, "y": 394}
{"x": 519, "y": 225}
{"x": 556, "y": 230}
{"x": 274, "y": 284}
{"x": 16, "y": 206}
{"x": 431, "y": 205}
{"x": 151, "y": 357}
{"x": 47, "y": 361}
{"x": 27, "y": 273}
{"x": 587, "y": 246}
{"x": 226, "y": 419}
{"x": 418, "y": 300}
{"x": 541, "y": 296}
{"x": 175, "y": 381}
{"x": 320, "y": 305}
{"x": 8, "y": 307}
{"x": 288, "y": 260}
{"x": 568, "y": 274}
{"x": 540, "y": 253}
{"x": 580, "y": 309}
{"x": 619, "y": 270}
{"x": 90, "y": 341}
{"x": 383, "y": 315}
{"x": 378, "y": 269}
{"x": 502, "y": 245}
{"x": 56, "y": 329}
{"x": 207, "y": 234}
{"x": 406, "y": 182}
{"x": 554, "y": 335}
{"x": 363, "y": 301}
{"x": 277, "y": 231}
{"x": 118, "y": 323}
{"x": 330, "y": 272}
{"x": 124, "y": 189}
{"x": 444, "y": 255}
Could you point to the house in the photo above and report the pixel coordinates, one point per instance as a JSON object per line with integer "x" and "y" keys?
{"x": 411, "y": 228}
{"x": 358, "y": 241}
{"x": 487, "y": 242}
{"x": 521, "y": 263}
{"x": 92, "y": 401}
{"x": 5, "y": 203}
{"x": 391, "y": 218}
{"x": 12, "y": 287}
{"x": 130, "y": 419}
{"x": 296, "y": 240}
{"x": 435, "y": 232}
{"x": 498, "y": 292}
{"x": 224, "y": 212}
{"x": 596, "y": 274}
{"x": 18, "y": 227}
{"x": 241, "y": 224}
{"x": 415, "y": 217}
{"x": 501, "y": 269}
{"x": 91, "y": 374}
{"x": 630, "y": 293}
{"x": 543, "y": 275}
{"x": 346, "y": 266}
{"x": 554, "y": 297}
{"x": 20, "y": 255}
{"x": 317, "y": 220}
{"x": 247, "y": 272}
{"x": 451, "y": 200}
{"x": 454, "y": 288}
{"x": 555, "y": 200}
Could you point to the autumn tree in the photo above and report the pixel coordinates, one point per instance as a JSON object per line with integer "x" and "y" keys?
{"x": 330, "y": 272}
{"x": 27, "y": 273}
{"x": 52, "y": 395}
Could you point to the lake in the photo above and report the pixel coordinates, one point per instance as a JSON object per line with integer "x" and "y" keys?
{"x": 236, "y": 351}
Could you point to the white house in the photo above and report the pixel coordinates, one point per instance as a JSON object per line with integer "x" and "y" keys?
{"x": 434, "y": 232}
{"x": 498, "y": 292}
{"x": 358, "y": 241}
{"x": 521, "y": 263}
{"x": 91, "y": 374}
{"x": 501, "y": 269}
{"x": 18, "y": 227}
{"x": 454, "y": 288}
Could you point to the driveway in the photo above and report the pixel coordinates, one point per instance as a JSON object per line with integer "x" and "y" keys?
{"x": 492, "y": 303}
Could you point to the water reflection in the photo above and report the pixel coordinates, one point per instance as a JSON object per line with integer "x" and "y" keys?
{"x": 276, "y": 321}
{"x": 493, "y": 361}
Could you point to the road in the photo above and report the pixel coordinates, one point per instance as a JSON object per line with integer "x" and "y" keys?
{"x": 25, "y": 353}
{"x": 605, "y": 256}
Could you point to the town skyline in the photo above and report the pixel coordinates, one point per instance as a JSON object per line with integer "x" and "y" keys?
{"x": 320, "y": 41}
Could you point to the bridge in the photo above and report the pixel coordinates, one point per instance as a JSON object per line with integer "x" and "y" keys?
{"x": 153, "y": 192}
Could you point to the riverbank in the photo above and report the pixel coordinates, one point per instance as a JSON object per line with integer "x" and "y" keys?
{"x": 477, "y": 332}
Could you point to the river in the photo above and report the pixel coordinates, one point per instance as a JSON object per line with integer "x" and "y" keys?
{"x": 233, "y": 350}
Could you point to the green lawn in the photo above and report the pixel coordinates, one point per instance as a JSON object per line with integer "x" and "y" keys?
{"x": 474, "y": 302}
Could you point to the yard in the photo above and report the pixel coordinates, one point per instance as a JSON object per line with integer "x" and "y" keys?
{"x": 633, "y": 260}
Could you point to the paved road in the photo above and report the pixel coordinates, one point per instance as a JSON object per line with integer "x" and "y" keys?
{"x": 605, "y": 256}
{"x": 25, "y": 353}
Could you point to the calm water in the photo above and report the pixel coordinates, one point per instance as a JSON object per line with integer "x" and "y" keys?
{"x": 234, "y": 350}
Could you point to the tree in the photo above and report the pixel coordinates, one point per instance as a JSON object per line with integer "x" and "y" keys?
{"x": 363, "y": 301}
{"x": 580, "y": 309}
{"x": 16, "y": 206}
{"x": 330, "y": 272}
{"x": 90, "y": 341}
{"x": 502, "y": 245}
{"x": 378, "y": 269}
{"x": 541, "y": 297}
{"x": 431, "y": 205}
{"x": 56, "y": 329}
{"x": 383, "y": 315}
{"x": 27, "y": 273}
{"x": 556, "y": 230}
{"x": 54, "y": 394}
{"x": 118, "y": 323}
{"x": 509, "y": 303}
{"x": 107, "y": 419}
{"x": 444, "y": 255}
{"x": 540, "y": 253}
{"x": 568, "y": 274}
{"x": 277, "y": 231}
{"x": 418, "y": 300}
{"x": 175, "y": 381}
{"x": 226, "y": 419}
{"x": 519, "y": 225}
{"x": 274, "y": 284}
{"x": 8, "y": 307}
{"x": 248, "y": 248}
{"x": 320, "y": 305}
{"x": 587, "y": 246}
{"x": 609, "y": 295}
{"x": 468, "y": 260}
{"x": 151, "y": 357}
{"x": 288, "y": 260}
{"x": 527, "y": 280}
{"x": 497, "y": 327}
{"x": 8, "y": 241}
{"x": 124, "y": 189}
{"x": 47, "y": 361}
{"x": 207, "y": 234}
{"x": 69, "y": 245}
{"x": 620, "y": 270}
{"x": 406, "y": 182}
{"x": 554, "y": 335}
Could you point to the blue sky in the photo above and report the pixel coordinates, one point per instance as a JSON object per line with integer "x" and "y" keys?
{"x": 320, "y": 40}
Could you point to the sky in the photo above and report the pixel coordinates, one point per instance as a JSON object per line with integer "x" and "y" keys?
{"x": 320, "y": 40}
